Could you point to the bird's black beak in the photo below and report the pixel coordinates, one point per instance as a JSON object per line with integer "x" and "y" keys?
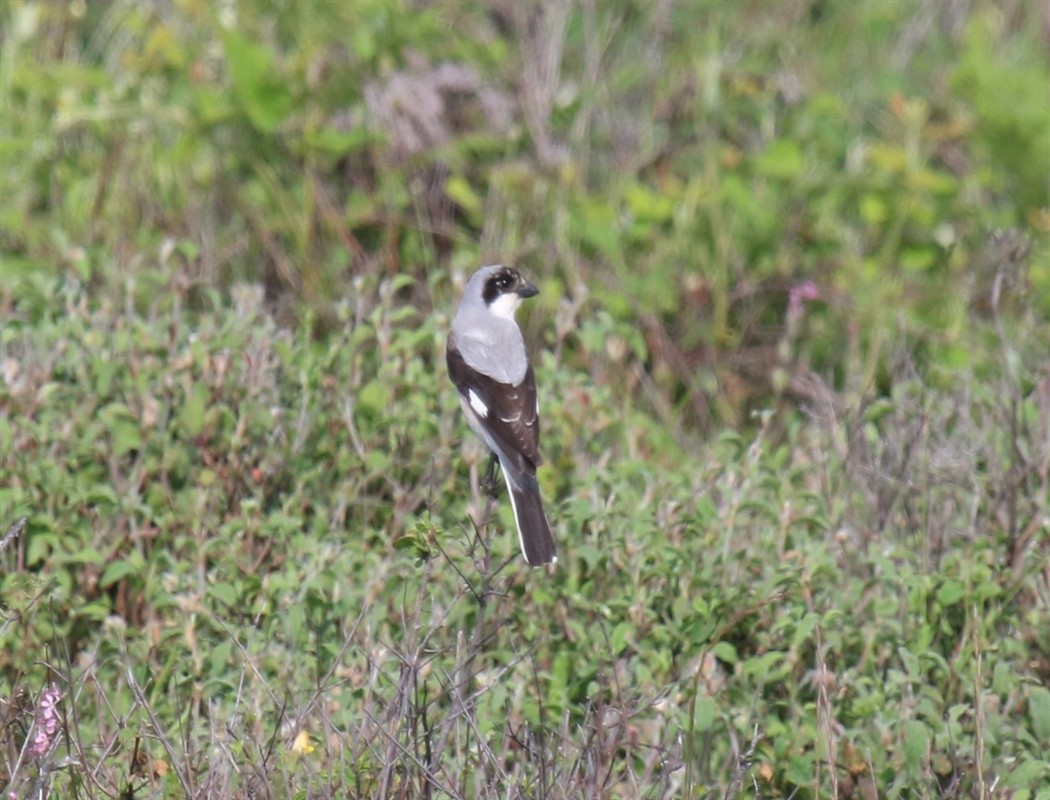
{"x": 527, "y": 289}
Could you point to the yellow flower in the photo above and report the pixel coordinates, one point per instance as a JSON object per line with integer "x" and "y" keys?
{"x": 302, "y": 744}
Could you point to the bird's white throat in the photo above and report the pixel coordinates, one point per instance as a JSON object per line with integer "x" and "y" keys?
{"x": 505, "y": 305}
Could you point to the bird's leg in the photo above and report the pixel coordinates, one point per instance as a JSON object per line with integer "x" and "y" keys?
{"x": 491, "y": 484}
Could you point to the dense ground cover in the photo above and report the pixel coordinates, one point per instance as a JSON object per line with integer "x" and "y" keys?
{"x": 791, "y": 340}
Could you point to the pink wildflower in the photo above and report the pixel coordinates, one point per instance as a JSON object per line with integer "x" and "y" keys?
{"x": 798, "y": 296}
{"x": 47, "y": 720}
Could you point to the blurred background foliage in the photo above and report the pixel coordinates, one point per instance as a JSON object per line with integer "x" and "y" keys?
{"x": 680, "y": 165}
{"x": 794, "y": 261}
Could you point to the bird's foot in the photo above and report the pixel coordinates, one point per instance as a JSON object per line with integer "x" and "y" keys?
{"x": 491, "y": 484}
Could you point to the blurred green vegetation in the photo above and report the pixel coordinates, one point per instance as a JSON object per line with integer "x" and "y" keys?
{"x": 792, "y": 350}
{"x": 683, "y": 162}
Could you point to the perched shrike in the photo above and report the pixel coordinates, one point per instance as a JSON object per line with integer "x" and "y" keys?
{"x": 489, "y": 365}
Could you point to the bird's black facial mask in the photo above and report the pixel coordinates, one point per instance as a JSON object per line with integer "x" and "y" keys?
{"x": 507, "y": 281}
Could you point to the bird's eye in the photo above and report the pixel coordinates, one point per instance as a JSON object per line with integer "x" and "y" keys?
{"x": 504, "y": 281}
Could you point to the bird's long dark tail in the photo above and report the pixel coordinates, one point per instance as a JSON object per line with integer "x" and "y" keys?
{"x": 534, "y": 532}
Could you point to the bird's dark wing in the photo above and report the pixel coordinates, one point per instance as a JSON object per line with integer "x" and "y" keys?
{"x": 510, "y": 417}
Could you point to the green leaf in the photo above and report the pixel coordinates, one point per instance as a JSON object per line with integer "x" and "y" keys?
{"x": 1039, "y": 711}
{"x": 336, "y": 143}
{"x": 704, "y": 714}
{"x": 950, "y": 593}
{"x": 805, "y": 628}
{"x": 782, "y": 159}
{"x": 373, "y": 397}
{"x": 800, "y": 770}
{"x": 1003, "y": 678}
{"x": 96, "y": 611}
{"x": 377, "y": 461}
{"x": 561, "y": 669}
{"x": 192, "y": 414}
{"x": 262, "y": 92}
{"x": 918, "y": 259}
{"x": 764, "y": 667}
{"x": 225, "y": 593}
{"x": 105, "y": 370}
{"x": 916, "y": 743}
{"x": 116, "y": 570}
{"x": 619, "y": 637}
{"x": 463, "y": 195}
{"x": 125, "y": 436}
{"x": 873, "y": 209}
{"x": 219, "y": 657}
{"x": 724, "y": 651}
{"x": 878, "y": 409}
{"x": 648, "y": 206}
{"x": 1027, "y": 774}
{"x": 596, "y": 224}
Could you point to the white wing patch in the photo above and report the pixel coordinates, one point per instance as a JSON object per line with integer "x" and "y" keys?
{"x": 478, "y": 404}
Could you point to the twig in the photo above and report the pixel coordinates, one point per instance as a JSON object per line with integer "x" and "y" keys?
{"x": 13, "y": 533}
{"x": 825, "y": 718}
{"x": 979, "y": 721}
{"x": 407, "y": 754}
{"x": 743, "y": 766}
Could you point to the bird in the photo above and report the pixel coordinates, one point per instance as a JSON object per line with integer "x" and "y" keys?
{"x": 488, "y": 364}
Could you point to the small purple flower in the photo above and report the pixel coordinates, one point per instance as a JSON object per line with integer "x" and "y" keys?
{"x": 47, "y": 720}
{"x": 798, "y": 296}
